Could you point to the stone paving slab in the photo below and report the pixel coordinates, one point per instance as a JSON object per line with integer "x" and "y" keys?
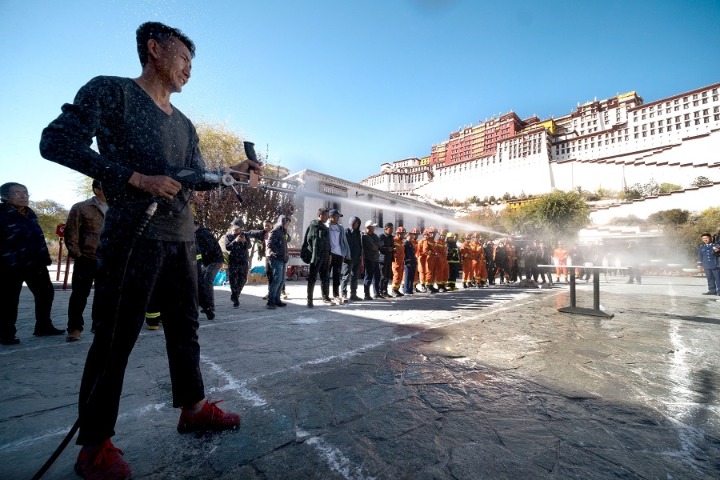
{"x": 491, "y": 383}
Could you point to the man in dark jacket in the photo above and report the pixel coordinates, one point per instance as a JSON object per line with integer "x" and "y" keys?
{"x": 82, "y": 236}
{"x": 317, "y": 240}
{"x": 142, "y": 138}
{"x": 371, "y": 260}
{"x": 351, "y": 269}
{"x": 237, "y": 243}
{"x": 24, "y": 257}
{"x": 277, "y": 254}
{"x": 410, "y": 262}
{"x": 387, "y": 255}
{"x": 210, "y": 259}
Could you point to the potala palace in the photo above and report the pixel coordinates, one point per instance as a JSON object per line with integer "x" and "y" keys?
{"x": 609, "y": 144}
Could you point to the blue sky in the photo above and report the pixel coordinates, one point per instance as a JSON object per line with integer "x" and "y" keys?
{"x": 343, "y": 86}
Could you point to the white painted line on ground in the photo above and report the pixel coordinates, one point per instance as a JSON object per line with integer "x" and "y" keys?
{"x": 238, "y": 386}
{"x": 336, "y": 460}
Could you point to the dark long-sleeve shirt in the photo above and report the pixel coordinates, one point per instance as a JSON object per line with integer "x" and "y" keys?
{"x": 133, "y": 134}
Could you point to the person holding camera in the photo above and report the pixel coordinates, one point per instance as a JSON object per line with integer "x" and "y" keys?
{"x": 237, "y": 243}
{"x": 708, "y": 257}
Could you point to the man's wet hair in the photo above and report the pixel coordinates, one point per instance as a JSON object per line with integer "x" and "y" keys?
{"x": 162, "y": 34}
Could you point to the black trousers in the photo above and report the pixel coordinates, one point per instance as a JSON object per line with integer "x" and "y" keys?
{"x": 386, "y": 275}
{"x": 84, "y": 271}
{"x": 237, "y": 276}
{"x": 372, "y": 276}
{"x": 38, "y": 281}
{"x": 350, "y": 273}
{"x": 206, "y": 291}
{"x": 167, "y": 271}
{"x": 319, "y": 268}
{"x": 336, "y": 264}
{"x": 454, "y": 271}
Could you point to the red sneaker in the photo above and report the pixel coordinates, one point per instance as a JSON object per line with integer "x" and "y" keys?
{"x": 102, "y": 462}
{"x": 210, "y": 417}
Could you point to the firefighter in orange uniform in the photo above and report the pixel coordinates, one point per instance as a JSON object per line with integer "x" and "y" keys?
{"x": 466, "y": 256}
{"x": 427, "y": 260}
{"x": 479, "y": 264}
{"x": 560, "y": 256}
{"x": 398, "y": 266}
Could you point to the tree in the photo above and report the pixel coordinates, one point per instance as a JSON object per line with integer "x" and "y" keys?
{"x": 674, "y": 216}
{"x": 686, "y": 237}
{"x": 483, "y": 220}
{"x": 630, "y": 220}
{"x": 557, "y": 215}
{"x": 669, "y": 187}
{"x": 217, "y": 208}
{"x": 700, "y": 181}
{"x": 50, "y": 214}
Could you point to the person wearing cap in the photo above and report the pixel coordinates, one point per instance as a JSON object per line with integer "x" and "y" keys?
{"x": 387, "y": 254}
{"x": 351, "y": 269}
{"x": 82, "y": 236}
{"x": 398, "y": 265}
{"x": 237, "y": 243}
{"x": 410, "y": 262}
{"x": 453, "y": 259}
{"x": 371, "y": 258}
{"x": 317, "y": 242}
{"x": 339, "y": 255}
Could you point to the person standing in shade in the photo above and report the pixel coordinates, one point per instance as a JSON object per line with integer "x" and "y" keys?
{"x": 24, "y": 257}
{"x": 371, "y": 260}
{"x": 141, "y": 138}
{"x": 277, "y": 254}
{"x": 82, "y": 236}
{"x": 237, "y": 243}
{"x": 339, "y": 253}
{"x": 351, "y": 269}
{"x": 453, "y": 260}
{"x": 317, "y": 243}
{"x": 210, "y": 259}
{"x": 387, "y": 254}
{"x": 708, "y": 257}
{"x": 410, "y": 262}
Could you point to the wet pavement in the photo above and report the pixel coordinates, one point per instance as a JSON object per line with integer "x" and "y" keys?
{"x": 485, "y": 383}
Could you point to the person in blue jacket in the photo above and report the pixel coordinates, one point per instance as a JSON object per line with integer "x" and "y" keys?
{"x": 708, "y": 257}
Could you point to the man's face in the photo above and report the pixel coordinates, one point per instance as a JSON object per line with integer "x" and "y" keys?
{"x": 334, "y": 219}
{"x": 388, "y": 231}
{"x": 323, "y": 217}
{"x": 174, "y": 63}
{"x": 706, "y": 239}
{"x": 237, "y": 230}
{"x": 356, "y": 224}
{"x": 268, "y": 226}
{"x": 370, "y": 229}
{"x": 18, "y": 197}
